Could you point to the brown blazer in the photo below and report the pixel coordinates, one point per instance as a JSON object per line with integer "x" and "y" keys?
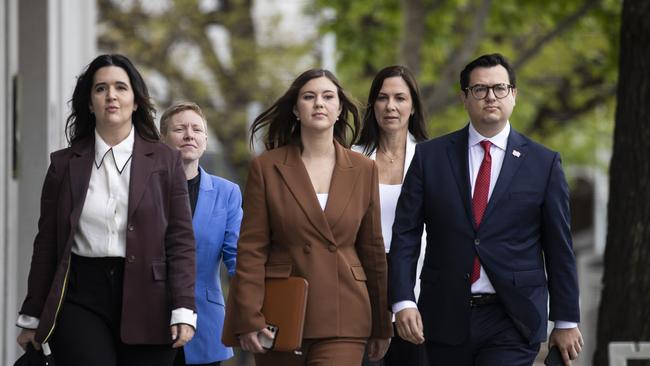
{"x": 159, "y": 263}
{"x": 340, "y": 251}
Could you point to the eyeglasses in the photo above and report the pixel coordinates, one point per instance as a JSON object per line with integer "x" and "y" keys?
{"x": 480, "y": 91}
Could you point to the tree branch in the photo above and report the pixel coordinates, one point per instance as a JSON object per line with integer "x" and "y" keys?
{"x": 562, "y": 26}
{"x": 438, "y": 95}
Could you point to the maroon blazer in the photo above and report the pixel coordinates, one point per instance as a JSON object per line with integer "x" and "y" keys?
{"x": 159, "y": 263}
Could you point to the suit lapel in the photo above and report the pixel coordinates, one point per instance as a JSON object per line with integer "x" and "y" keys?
{"x": 80, "y": 169}
{"x": 458, "y": 159}
{"x": 511, "y": 163}
{"x": 296, "y": 178}
{"x": 142, "y": 165}
{"x": 344, "y": 178}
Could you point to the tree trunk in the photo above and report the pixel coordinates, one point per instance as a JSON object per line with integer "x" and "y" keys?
{"x": 624, "y": 313}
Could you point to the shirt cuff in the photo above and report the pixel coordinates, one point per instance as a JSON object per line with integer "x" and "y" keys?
{"x": 27, "y": 322}
{"x": 401, "y": 305}
{"x": 183, "y": 315}
{"x": 561, "y": 324}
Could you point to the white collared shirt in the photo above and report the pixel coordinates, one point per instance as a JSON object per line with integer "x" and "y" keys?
{"x": 102, "y": 225}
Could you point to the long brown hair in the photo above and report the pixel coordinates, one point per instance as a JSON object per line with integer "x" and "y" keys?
{"x": 369, "y": 135}
{"x": 284, "y": 129}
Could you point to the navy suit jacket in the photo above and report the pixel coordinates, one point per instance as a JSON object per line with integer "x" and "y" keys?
{"x": 524, "y": 241}
{"x": 216, "y": 223}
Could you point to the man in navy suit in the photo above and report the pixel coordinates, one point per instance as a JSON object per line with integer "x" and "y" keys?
{"x": 496, "y": 209}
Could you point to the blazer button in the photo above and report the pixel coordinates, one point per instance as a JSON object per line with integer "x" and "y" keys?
{"x": 131, "y": 228}
{"x": 306, "y": 249}
{"x": 130, "y": 259}
{"x": 332, "y": 248}
{"x": 467, "y": 276}
{"x": 477, "y": 241}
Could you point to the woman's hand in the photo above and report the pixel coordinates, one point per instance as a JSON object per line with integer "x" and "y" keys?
{"x": 25, "y": 337}
{"x": 249, "y": 341}
{"x": 181, "y": 334}
{"x": 377, "y": 348}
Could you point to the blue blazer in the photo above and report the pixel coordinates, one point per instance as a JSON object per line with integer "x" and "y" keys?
{"x": 524, "y": 241}
{"x": 216, "y": 222}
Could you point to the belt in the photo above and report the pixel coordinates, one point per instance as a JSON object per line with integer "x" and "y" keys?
{"x": 483, "y": 299}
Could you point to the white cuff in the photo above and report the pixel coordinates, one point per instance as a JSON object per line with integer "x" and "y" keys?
{"x": 27, "y": 322}
{"x": 561, "y": 324}
{"x": 401, "y": 305}
{"x": 183, "y": 315}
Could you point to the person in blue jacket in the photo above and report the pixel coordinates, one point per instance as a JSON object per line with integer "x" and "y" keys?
{"x": 216, "y": 216}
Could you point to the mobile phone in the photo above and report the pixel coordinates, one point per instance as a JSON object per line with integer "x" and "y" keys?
{"x": 266, "y": 342}
{"x": 554, "y": 358}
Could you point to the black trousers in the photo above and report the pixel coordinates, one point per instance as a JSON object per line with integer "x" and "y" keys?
{"x": 180, "y": 360}
{"x": 493, "y": 341}
{"x": 88, "y": 326}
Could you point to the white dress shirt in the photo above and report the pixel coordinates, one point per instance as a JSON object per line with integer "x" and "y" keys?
{"x": 102, "y": 225}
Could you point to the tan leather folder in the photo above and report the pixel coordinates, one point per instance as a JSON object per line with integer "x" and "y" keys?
{"x": 285, "y": 302}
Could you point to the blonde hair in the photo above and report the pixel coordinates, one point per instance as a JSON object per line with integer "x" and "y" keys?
{"x": 176, "y": 108}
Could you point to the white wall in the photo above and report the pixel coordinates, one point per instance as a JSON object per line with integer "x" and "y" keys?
{"x": 54, "y": 40}
{"x": 8, "y": 186}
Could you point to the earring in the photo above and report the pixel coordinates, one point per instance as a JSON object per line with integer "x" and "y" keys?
{"x": 297, "y": 118}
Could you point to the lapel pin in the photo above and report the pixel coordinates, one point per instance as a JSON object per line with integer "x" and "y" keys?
{"x": 516, "y": 153}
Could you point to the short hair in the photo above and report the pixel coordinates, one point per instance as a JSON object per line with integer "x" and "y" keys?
{"x": 370, "y": 130}
{"x": 177, "y": 108}
{"x": 81, "y": 122}
{"x": 491, "y": 60}
{"x": 284, "y": 129}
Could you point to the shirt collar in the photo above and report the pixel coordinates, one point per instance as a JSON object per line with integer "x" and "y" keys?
{"x": 121, "y": 152}
{"x": 499, "y": 140}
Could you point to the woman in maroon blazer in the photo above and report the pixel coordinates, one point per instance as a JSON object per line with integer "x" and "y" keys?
{"x": 112, "y": 274}
{"x": 311, "y": 209}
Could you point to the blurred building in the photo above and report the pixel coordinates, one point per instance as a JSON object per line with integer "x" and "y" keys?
{"x": 44, "y": 44}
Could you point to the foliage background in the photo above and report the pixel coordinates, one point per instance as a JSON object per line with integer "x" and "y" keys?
{"x": 234, "y": 58}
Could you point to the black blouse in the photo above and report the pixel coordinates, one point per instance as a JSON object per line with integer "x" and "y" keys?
{"x": 193, "y": 189}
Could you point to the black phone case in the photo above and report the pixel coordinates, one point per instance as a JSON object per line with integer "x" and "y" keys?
{"x": 554, "y": 358}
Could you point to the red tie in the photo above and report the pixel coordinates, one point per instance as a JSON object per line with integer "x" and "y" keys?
{"x": 480, "y": 198}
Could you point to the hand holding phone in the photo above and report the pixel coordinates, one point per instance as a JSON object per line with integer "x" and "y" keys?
{"x": 554, "y": 358}
{"x": 265, "y": 341}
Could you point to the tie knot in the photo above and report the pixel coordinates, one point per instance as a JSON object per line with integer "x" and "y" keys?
{"x": 486, "y": 145}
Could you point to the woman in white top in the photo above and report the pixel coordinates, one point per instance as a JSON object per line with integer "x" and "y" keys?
{"x": 393, "y": 123}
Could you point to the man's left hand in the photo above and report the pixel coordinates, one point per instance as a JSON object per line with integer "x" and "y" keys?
{"x": 181, "y": 334}
{"x": 568, "y": 341}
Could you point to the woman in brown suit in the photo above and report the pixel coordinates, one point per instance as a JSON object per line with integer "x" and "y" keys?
{"x": 311, "y": 209}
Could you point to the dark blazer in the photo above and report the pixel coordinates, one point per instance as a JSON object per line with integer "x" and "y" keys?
{"x": 524, "y": 233}
{"x": 216, "y": 228}
{"x": 159, "y": 263}
{"x": 339, "y": 251}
